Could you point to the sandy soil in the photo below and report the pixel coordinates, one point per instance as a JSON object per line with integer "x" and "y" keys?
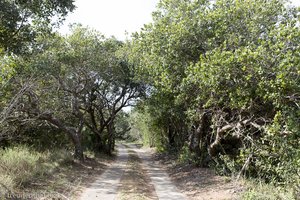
{"x": 133, "y": 176}
{"x": 143, "y": 175}
{"x": 136, "y": 183}
{"x": 106, "y": 185}
{"x": 198, "y": 183}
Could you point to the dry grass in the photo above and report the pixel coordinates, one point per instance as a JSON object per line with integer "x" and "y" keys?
{"x": 55, "y": 176}
{"x": 69, "y": 181}
{"x": 258, "y": 190}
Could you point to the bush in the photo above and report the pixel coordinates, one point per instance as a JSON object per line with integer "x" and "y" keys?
{"x": 274, "y": 155}
{"x": 186, "y": 156}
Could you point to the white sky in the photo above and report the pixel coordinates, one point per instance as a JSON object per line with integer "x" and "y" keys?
{"x": 296, "y": 2}
{"x": 114, "y": 17}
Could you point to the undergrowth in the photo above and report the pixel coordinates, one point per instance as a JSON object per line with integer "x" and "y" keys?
{"x": 258, "y": 190}
{"x": 20, "y": 165}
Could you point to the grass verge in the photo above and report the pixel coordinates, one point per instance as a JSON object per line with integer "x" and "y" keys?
{"x": 28, "y": 174}
{"x": 257, "y": 190}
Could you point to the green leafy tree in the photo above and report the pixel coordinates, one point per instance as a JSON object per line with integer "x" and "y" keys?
{"x": 20, "y": 23}
{"x": 232, "y": 67}
{"x": 87, "y": 85}
{"x": 22, "y": 20}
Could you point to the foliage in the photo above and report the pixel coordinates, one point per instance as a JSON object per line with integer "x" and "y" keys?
{"x": 7, "y": 69}
{"x": 228, "y": 72}
{"x": 77, "y": 83}
{"x": 143, "y": 128}
{"x": 21, "y": 21}
{"x": 186, "y": 156}
{"x": 122, "y": 127}
{"x": 217, "y": 82}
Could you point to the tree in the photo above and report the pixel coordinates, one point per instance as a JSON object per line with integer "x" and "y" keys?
{"x": 20, "y": 23}
{"x": 110, "y": 87}
{"x": 87, "y": 85}
{"x": 20, "y": 20}
{"x": 232, "y": 68}
{"x": 122, "y": 127}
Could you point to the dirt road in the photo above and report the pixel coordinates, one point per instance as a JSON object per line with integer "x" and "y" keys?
{"x": 140, "y": 175}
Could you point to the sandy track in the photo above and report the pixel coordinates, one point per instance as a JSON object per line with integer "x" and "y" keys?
{"x": 106, "y": 186}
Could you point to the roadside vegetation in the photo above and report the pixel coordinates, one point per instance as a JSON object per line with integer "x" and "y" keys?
{"x": 28, "y": 173}
{"x": 216, "y": 83}
{"x": 224, "y": 81}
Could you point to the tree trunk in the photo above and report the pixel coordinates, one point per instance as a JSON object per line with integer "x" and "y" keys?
{"x": 221, "y": 131}
{"x": 194, "y": 140}
{"x": 78, "y": 153}
{"x": 114, "y": 143}
{"x": 110, "y": 139}
{"x": 74, "y": 135}
{"x": 73, "y": 132}
{"x": 197, "y": 140}
{"x": 171, "y": 135}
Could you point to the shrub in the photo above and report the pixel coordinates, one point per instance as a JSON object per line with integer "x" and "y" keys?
{"x": 186, "y": 156}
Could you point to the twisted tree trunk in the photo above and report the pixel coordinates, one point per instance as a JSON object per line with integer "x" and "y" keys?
{"x": 74, "y": 135}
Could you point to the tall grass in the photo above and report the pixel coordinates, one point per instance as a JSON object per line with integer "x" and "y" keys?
{"x": 20, "y": 165}
{"x": 258, "y": 190}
